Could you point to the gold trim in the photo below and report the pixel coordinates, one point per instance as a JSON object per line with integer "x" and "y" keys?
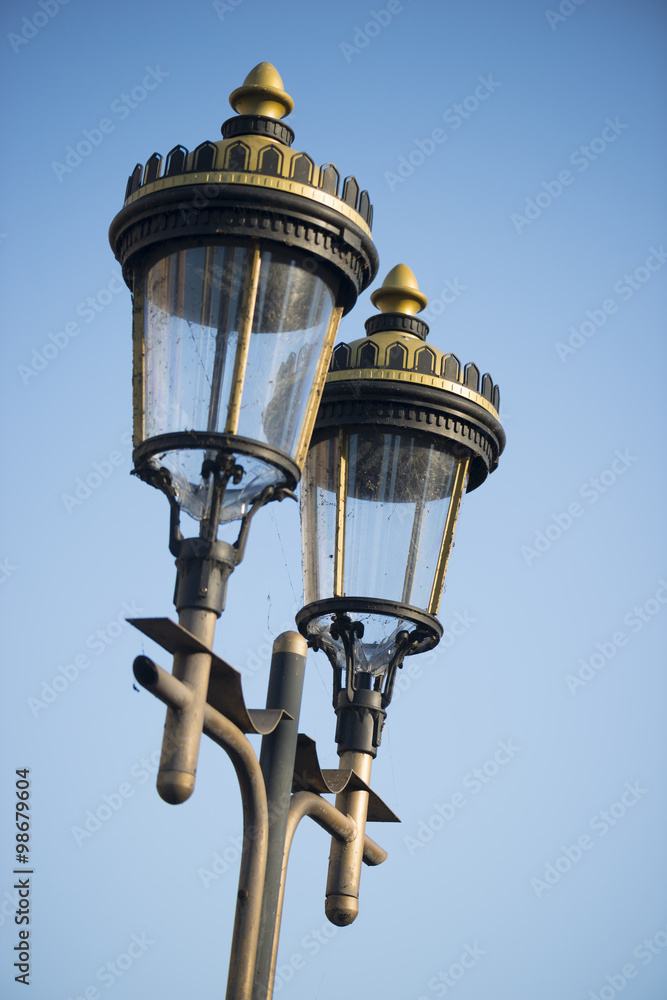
{"x": 254, "y": 180}
{"x": 246, "y": 316}
{"x": 448, "y": 536}
{"x": 392, "y": 374}
{"x": 341, "y": 509}
{"x": 318, "y": 387}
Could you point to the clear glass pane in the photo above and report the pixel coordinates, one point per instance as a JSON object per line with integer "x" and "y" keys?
{"x": 192, "y": 306}
{"x": 396, "y": 493}
{"x": 318, "y": 519}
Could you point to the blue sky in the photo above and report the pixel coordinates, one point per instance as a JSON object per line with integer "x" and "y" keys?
{"x": 515, "y": 156}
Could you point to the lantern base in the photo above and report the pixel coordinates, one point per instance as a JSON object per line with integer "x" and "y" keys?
{"x": 174, "y": 463}
{"x": 372, "y": 646}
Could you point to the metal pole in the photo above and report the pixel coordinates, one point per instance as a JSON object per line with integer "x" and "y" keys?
{"x": 342, "y": 902}
{"x": 332, "y": 820}
{"x": 183, "y": 728}
{"x": 277, "y": 762}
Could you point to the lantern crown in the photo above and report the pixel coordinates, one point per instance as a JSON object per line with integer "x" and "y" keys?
{"x": 254, "y": 157}
{"x": 393, "y": 354}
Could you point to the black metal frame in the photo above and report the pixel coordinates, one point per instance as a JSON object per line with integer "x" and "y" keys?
{"x": 237, "y": 211}
{"x": 360, "y": 691}
{"x": 418, "y": 408}
{"x": 225, "y": 447}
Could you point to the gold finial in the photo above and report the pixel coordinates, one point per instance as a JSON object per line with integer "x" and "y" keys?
{"x": 399, "y": 293}
{"x": 262, "y": 93}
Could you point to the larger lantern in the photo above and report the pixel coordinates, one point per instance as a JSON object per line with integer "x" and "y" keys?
{"x": 241, "y": 256}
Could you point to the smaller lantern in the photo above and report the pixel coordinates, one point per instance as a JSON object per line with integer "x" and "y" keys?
{"x": 402, "y": 432}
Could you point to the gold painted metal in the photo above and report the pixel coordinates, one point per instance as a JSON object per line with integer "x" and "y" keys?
{"x": 262, "y": 93}
{"x": 246, "y": 316}
{"x": 396, "y": 375}
{"x": 183, "y": 727}
{"x": 399, "y": 293}
{"x": 318, "y": 386}
{"x": 341, "y": 827}
{"x": 341, "y": 510}
{"x": 342, "y": 902}
{"x": 255, "y": 180}
{"x": 448, "y": 535}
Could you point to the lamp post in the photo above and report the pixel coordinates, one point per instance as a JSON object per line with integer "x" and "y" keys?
{"x": 402, "y": 432}
{"x": 242, "y": 256}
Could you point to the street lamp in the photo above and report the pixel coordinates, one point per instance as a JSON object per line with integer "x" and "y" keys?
{"x": 402, "y": 432}
{"x": 242, "y": 256}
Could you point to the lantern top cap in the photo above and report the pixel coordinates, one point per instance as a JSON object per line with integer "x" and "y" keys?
{"x": 399, "y": 293}
{"x": 262, "y": 93}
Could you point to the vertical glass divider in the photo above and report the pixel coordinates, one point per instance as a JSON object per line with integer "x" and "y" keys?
{"x": 448, "y": 535}
{"x": 221, "y": 336}
{"x": 341, "y": 510}
{"x": 415, "y": 537}
{"x": 246, "y": 315}
{"x": 318, "y": 385}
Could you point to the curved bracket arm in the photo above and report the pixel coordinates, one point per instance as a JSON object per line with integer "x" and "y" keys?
{"x": 332, "y": 820}
{"x": 177, "y": 695}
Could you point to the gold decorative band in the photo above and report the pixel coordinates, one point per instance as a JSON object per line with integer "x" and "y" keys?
{"x": 253, "y": 180}
{"x": 396, "y": 375}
